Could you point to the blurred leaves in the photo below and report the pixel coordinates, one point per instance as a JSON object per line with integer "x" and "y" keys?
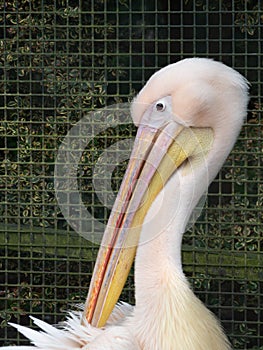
{"x": 50, "y": 80}
{"x": 248, "y": 14}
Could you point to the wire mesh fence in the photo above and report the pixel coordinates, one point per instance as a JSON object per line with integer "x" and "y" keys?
{"x": 62, "y": 59}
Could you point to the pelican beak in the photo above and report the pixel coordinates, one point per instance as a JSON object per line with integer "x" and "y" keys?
{"x": 156, "y": 155}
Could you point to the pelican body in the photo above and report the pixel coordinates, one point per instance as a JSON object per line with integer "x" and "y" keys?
{"x": 189, "y": 115}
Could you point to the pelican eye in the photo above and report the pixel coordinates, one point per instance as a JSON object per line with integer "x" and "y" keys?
{"x": 160, "y": 106}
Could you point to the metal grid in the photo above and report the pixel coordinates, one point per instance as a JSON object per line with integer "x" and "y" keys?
{"x": 61, "y": 59}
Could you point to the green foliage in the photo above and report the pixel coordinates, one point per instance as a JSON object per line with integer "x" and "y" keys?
{"x": 248, "y": 13}
{"x": 49, "y": 81}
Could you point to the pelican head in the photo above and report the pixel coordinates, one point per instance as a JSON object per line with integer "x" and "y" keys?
{"x": 189, "y": 115}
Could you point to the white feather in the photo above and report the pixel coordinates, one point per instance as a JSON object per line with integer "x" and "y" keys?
{"x": 18, "y": 348}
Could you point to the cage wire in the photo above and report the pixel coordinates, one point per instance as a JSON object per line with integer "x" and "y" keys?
{"x": 62, "y": 59}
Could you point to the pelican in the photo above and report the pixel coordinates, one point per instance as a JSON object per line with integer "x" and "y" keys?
{"x": 189, "y": 115}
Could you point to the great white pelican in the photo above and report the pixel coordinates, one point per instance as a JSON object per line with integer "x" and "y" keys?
{"x": 189, "y": 115}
